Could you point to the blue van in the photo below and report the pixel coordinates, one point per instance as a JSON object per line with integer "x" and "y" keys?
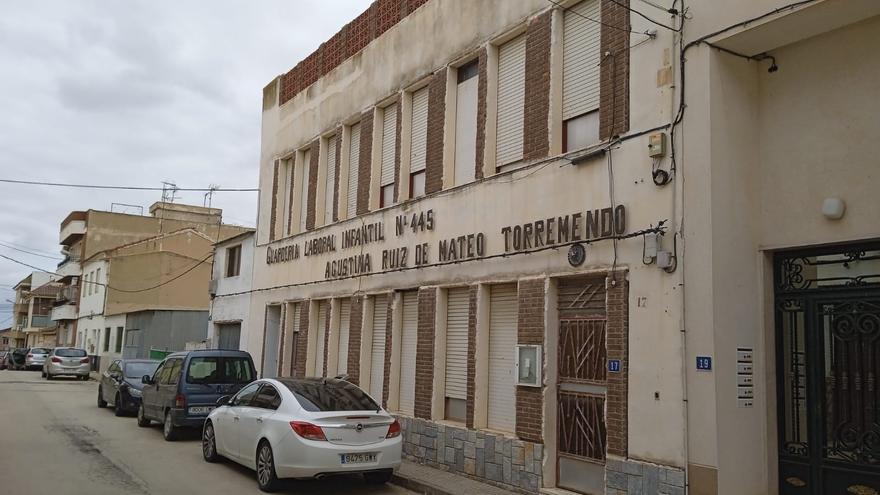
{"x": 186, "y": 385}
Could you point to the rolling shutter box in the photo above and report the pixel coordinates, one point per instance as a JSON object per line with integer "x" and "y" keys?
{"x": 511, "y": 100}
{"x": 580, "y": 59}
{"x": 320, "y": 350}
{"x": 377, "y": 365}
{"x": 354, "y": 154}
{"x": 344, "y": 328}
{"x": 330, "y": 183}
{"x": 503, "y": 310}
{"x": 389, "y": 144}
{"x": 457, "y": 307}
{"x": 409, "y": 337}
{"x": 419, "y": 141}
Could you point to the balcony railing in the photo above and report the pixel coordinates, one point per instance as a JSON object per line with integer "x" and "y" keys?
{"x": 39, "y": 321}
{"x": 68, "y": 293}
{"x": 64, "y": 312}
{"x": 71, "y": 230}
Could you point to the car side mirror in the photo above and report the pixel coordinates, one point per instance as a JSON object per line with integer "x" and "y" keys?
{"x": 223, "y": 401}
{"x": 146, "y": 380}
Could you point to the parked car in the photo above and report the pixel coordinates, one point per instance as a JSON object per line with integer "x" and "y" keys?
{"x": 186, "y": 386}
{"x": 15, "y": 359}
{"x": 303, "y": 428}
{"x": 36, "y": 357}
{"x": 3, "y": 359}
{"x": 121, "y": 384}
{"x": 68, "y": 361}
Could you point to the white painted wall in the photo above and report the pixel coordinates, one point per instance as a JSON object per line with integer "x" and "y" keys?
{"x": 234, "y": 308}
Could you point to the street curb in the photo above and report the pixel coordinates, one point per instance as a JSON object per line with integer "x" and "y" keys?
{"x": 418, "y": 486}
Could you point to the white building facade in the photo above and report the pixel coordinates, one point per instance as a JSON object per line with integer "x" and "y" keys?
{"x": 565, "y": 268}
{"x": 229, "y": 322}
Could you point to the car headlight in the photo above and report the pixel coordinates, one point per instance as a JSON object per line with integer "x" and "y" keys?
{"x": 134, "y": 392}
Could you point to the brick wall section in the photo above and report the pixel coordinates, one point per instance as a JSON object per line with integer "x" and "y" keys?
{"x": 273, "y": 216}
{"x": 379, "y": 17}
{"x": 614, "y": 77}
{"x": 313, "y": 183}
{"x": 471, "y": 355}
{"x": 354, "y": 339}
{"x": 283, "y": 340}
{"x": 290, "y": 198}
{"x": 365, "y": 161}
{"x": 388, "y": 349}
{"x": 425, "y": 353}
{"x": 617, "y": 335}
{"x": 530, "y": 330}
{"x": 336, "y": 173}
{"x": 326, "y": 338}
{"x": 482, "y": 83}
{"x": 536, "y": 126}
{"x": 397, "y": 152}
{"x": 434, "y": 145}
{"x": 302, "y": 340}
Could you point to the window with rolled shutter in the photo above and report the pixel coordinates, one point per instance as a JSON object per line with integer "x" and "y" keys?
{"x": 457, "y": 306}
{"x": 330, "y": 183}
{"x": 377, "y": 365}
{"x": 319, "y": 340}
{"x": 511, "y": 100}
{"x": 503, "y": 310}
{"x": 344, "y": 329}
{"x": 580, "y": 59}
{"x": 408, "y": 339}
{"x": 354, "y": 154}
{"x": 418, "y": 148}
{"x": 389, "y": 146}
{"x": 304, "y": 189}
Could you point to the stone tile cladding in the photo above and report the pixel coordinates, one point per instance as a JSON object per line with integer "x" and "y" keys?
{"x": 631, "y": 477}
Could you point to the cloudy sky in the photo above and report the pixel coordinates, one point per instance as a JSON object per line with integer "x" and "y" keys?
{"x": 136, "y": 93}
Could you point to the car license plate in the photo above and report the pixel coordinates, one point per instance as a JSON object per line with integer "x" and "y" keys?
{"x": 357, "y": 458}
{"x": 201, "y": 410}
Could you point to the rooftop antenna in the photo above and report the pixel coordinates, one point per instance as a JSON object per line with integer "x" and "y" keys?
{"x": 209, "y": 196}
{"x": 169, "y": 192}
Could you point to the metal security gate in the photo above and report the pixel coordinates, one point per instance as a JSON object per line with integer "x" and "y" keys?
{"x": 582, "y": 386}
{"x": 827, "y": 366}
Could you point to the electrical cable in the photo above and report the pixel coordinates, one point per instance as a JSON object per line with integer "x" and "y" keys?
{"x": 652, "y": 21}
{"x": 612, "y": 26}
{"x": 31, "y": 252}
{"x": 127, "y": 291}
{"x": 124, "y": 188}
{"x": 672, "y": 10}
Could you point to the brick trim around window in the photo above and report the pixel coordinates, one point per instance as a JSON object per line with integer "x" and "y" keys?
{"x": 386, "y": 376}
{"x": 482, "y": 88}
{"x": 530, "y": 330}
{"x": 397, "y": 141}
{"x": 273, "y": 215}
{"x": 365, "y": 162}
{"x": 471, "y": 354}
{"x": 614, "y": 76}
{"x": 302, "y": 340}
{"x": 617, "y": 336}
{"x": 425, "y": 353}
{"x": 336, "y": 172}
{"x": 436, "y": 117}
{"x": 313, "y": 184}
{"x": 536, "y": 125}
{"x": 354, "y": 339}
{"x": 327, "y": 314}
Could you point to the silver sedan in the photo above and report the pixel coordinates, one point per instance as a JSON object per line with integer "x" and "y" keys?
{"x": 67, "y": 361}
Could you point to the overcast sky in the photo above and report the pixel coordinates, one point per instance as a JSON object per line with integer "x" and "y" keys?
{"x": 134, "y": 93}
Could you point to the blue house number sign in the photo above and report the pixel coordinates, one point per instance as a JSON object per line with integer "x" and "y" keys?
{"x": 704, "y": 363}
{"x": 614, "y": 365}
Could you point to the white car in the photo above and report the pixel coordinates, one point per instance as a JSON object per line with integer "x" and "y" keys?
{"x": 303, "y": 428}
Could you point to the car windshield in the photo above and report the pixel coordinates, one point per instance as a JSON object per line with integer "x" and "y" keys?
{"x": 137, "y": 370}
{"x": 70, "y": 353}
{"x": 39, "y": 350}
{"x": 330, "y": 395}
{"x": 211, "y": 369}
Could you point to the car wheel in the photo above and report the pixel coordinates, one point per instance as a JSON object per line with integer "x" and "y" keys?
{"x": 378, "y": 478}
{"x": 266, "y": 477}
{"x": 118, "y": 408}
{"x": 101, "y": 402}
{"x": 209, "y": 443}
{"x": 168, "y": 429}
{"x": 143, "y": 421}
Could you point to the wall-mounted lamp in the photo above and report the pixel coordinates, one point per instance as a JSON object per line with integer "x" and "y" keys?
{"x": 833, "y": 208}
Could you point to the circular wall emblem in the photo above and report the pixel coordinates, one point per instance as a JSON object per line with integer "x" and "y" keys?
{"x": 359, "y": 427}
{"x": 577, "y": 254}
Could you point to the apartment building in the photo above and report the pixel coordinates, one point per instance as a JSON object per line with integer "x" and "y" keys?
{"x": 229, "y": 322}
{"x": 563, "y": 268}
{"x": 34, "y": 296}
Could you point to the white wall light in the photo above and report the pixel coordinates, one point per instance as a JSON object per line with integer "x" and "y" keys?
{"x": 833, "y": 208}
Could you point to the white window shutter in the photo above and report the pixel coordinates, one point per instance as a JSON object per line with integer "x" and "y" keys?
{"x": 419, "y": 142}
{"x": 408, "y": 340}
{"x": 377, "y": 366}
{"x": 320, "y": 351}
{"x": 330, "y": 183}
{"x": 354, "y": 155}
{"x": 344, "y": 331}
{"x": 581, "y": 57}
{"x": 503, "y": 317}
{"x": 389, "y": 144}
{"x": 457, "y": 306}
{"x": 511, "y": 100}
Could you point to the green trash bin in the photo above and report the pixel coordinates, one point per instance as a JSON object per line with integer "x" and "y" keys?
{"x": 158, "y": 354}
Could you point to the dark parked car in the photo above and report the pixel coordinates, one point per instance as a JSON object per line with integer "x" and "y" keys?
{"x": 3, "y": 360}
{"x": 121, "y": 384}
{"x": 186, "y": 386}
{"x": 16, "y": 358}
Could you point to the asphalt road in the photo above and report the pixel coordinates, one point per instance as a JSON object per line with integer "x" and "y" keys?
{"x": 54, "y": 439}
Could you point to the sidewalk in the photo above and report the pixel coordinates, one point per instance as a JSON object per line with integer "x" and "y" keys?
{"x": 430, "y": 481}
